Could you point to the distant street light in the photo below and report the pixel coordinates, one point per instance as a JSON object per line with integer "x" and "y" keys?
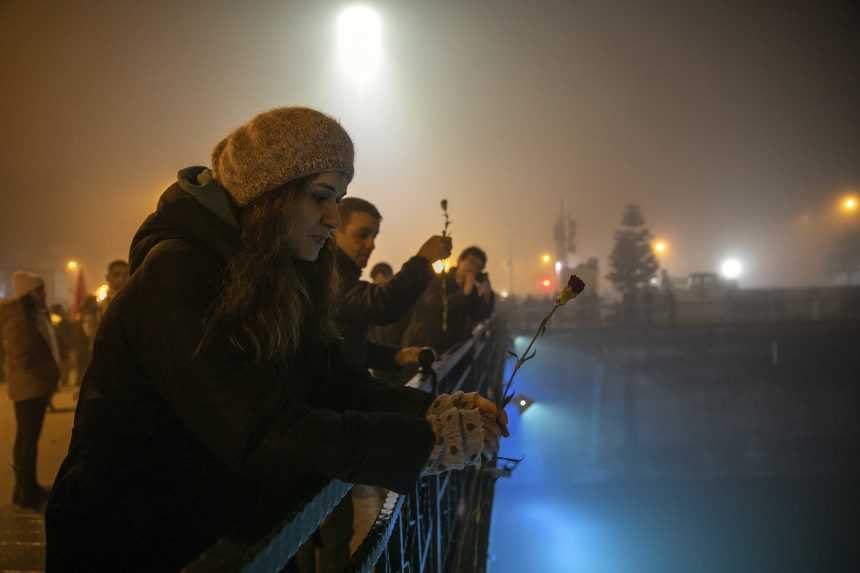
{"x": 850, "y": 204}
{"x": 359, "y": 42}
{"x": 72, "y": 266}
{"x": 547, "y": 283}
{"x": 661, "y": 247}
{"x": 558, "y": 266}
{"x": 546, "y": 259}
{"x": 731, "y": 269}
{"x": 442, "y": 265}
{"x": 102, "y": 292}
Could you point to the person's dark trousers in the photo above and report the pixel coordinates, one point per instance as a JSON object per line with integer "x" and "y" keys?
{"x": 29, "y": 417}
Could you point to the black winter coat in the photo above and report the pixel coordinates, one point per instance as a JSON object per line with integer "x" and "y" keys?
{"x": 172, "y": 450}
{"x": 361, "y": 304}
{"x": 464, "y": 312}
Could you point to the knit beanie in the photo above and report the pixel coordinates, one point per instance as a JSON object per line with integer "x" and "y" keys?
{"x": 24, "y": 283}
{"x": 277, "y": 147}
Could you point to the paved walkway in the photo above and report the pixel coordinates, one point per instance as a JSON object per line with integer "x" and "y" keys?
{"x": 22, "y": 535}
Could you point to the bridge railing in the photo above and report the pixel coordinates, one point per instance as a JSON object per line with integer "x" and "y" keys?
{"x": 734, "y": 306}
{"x": 441, "y": 525}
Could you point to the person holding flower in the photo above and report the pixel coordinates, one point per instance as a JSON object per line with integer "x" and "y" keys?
{"x": 217, "y": 393}
{"x": 470, "y": 299}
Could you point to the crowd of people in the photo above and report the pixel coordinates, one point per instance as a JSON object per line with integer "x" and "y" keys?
{"x": 44, "y": 349}
{"x": 244, "y": 359}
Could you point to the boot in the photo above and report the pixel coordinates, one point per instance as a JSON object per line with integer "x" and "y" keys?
{"x": 32, "y": 497}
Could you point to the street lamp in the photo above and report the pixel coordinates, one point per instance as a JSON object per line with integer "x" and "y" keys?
{"x": 441, "y": 265}
{"x": 359, "y": 42}
{"x": 731, "y": 269}
{"x": 850, "y": 204}
{"x": 661, "y": 247}
{"x": 546, "y": 259}
{"x": 72, "y": 266}
{"x": 102, "y": 292}
{"x": 523, "y": 403}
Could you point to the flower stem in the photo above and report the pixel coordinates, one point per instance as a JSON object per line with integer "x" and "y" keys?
{"x": 522, "y": 358}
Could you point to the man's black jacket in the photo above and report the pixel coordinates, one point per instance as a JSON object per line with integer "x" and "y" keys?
{"x": 464, "y": 312}
{"x": 361, "y": 304}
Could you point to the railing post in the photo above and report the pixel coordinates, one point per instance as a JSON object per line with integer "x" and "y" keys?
{"x": 438, "y": 534}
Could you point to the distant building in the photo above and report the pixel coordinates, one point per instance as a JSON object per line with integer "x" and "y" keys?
{"x": 589, "y": 272}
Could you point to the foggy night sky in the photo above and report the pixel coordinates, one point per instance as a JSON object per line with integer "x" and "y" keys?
{"x": 734, "y": 125}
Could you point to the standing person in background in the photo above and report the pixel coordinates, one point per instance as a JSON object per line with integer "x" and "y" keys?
{"x": 381, "y": 274}
{"x": 63, "y": 332}
{"x": 389, "y": 334}
{"x": 32, "y": 372}
{"x": 116, "y": 277}
{"x": 84, "y": 336}
{"x": 470, "y": 300}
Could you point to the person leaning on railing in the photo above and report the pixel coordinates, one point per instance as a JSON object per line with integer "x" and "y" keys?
{"x": 217, "y": 394}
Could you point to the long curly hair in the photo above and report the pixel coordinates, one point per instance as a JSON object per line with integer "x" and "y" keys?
{"x": 271, "y": 304}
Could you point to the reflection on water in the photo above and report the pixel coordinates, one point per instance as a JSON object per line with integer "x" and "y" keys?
{"x": 753, "y": 471}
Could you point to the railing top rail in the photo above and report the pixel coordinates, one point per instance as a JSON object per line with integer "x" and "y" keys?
{"x": 271, "y": 552}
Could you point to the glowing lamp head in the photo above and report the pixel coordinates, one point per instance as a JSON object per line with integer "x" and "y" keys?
{"x": 523, "y": 402}
{"x": 359, "y": 42}
{"x": 440, "y": 266}
{"x": 546, "y": 259}
{"x": 731, "y": 269}
{"x": 660, "y": 247}
{"x": 546, "y": 283}
{"x": 72, "y": 265}
{"x": 102, "y": 292}
{"x": 850, "y": 204}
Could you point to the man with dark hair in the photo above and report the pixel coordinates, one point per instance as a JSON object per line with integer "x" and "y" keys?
{"x": 116, "y": 278}
{"x": 381, "y": 274}
{"x": 361, "y": 304}
{"x": 390, "y": 334}
{"x": 470, "y": 300}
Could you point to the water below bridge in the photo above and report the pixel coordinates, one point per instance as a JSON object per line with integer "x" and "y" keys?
{"x": 761, "y": 499}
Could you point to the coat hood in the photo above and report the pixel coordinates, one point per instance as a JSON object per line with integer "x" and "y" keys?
{"x": 197, "y": 209}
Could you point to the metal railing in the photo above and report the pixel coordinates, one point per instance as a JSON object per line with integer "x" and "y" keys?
{"x": 738, "y": 306}
{"x": 441, "y": 525}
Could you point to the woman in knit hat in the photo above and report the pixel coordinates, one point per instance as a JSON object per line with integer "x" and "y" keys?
{"x": 32, "y": 374}
{"x": 217, "y": 397}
